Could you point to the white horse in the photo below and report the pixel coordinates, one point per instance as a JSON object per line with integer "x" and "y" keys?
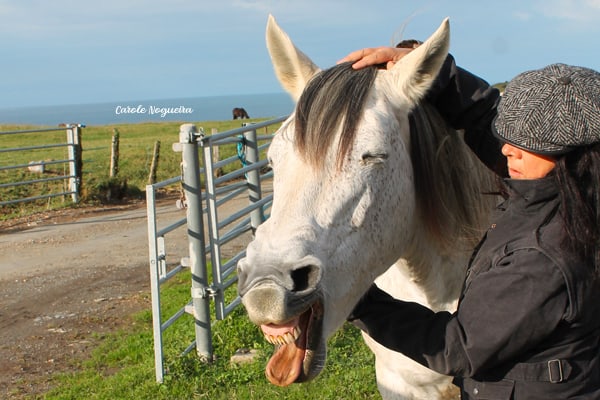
{"x": 366, "y": 176}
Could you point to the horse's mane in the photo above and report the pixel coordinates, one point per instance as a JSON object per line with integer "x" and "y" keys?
{"x": 333, "y": 96}
{"x": 455, "y": 191}
{"x": 452, "y": 186}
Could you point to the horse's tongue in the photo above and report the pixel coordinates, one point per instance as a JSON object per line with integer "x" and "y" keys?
{"x": 285, "y": 365}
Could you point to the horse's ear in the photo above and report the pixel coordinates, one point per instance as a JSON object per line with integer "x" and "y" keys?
{"x": 292, "y": 67}
{"x": 414, "y": 74}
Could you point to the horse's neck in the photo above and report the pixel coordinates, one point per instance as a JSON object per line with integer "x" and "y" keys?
{"x": 431, "y": 271}
{"x": 426, "y": 276}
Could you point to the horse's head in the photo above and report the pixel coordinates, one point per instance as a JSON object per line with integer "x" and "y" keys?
{"x": 344, "y": 199}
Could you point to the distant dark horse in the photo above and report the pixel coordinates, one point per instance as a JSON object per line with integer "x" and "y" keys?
{"x": 240, "y": 113}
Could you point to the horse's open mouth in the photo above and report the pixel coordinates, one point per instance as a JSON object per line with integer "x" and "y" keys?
{"x": 297, "y": 343}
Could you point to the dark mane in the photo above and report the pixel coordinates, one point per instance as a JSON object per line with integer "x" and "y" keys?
{"x": 333, "y": 97}
{"x": 454, "y": 190}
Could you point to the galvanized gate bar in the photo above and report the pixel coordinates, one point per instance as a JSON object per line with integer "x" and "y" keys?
{"x": 27, "y": 148}
{"x": 40, "y": 197}
{"x": 240, "y": 131}
{"x": 257, "y": 216}
{"x": 35, "y": 130}
{"x": 154, "y": 258}
{"x": 55, "y": 178}
{"x": 213, "y": 230}
{"x": 17, "y": 166}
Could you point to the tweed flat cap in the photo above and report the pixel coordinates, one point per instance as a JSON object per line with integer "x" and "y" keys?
{"x": 551, "y": 110}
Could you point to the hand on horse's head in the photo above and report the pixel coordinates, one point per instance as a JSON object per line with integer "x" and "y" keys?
{"x": 387, "y": 56}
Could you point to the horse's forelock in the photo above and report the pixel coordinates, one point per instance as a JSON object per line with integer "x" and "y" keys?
{"x": 334, "y": 96}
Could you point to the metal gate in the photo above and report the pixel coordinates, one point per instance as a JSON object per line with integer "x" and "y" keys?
{"x": 72, "y": 161}
{"x": 207, "y": 231}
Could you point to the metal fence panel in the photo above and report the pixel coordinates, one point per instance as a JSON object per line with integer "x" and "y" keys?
{"x": 204, "y": 203}
{"x": 73, "y": 161}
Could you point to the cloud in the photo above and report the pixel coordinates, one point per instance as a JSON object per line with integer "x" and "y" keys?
{"x": 573, "y": 11}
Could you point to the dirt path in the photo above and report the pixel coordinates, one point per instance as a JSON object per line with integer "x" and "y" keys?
{"x": 66, "y": 277}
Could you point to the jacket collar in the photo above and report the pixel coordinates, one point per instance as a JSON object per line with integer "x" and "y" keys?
{"x": 532, "y": 193}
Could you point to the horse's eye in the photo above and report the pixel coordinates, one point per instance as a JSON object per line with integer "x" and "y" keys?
{"x": 373, "y": 158}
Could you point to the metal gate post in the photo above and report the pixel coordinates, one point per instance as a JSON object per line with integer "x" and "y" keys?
{"x": 74, "y": 151}
{"x": 159, "y": 369}
{"x": 257, "y": 216}
{"x": 188, "y": 136}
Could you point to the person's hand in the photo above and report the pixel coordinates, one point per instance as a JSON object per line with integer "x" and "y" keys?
{"x": 387, "y": 56}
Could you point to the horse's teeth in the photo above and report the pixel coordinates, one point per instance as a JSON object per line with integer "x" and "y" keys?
{"x": 271, "y": 339}
{"x": 288, "y": 337}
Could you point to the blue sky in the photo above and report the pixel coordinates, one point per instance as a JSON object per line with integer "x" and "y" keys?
{"x": 81, "y": 51}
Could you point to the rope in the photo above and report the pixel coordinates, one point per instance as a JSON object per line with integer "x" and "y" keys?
{"x": 241, "y": 150}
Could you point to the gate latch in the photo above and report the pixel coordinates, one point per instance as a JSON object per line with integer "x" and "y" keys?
{"x": 204, "y": 292}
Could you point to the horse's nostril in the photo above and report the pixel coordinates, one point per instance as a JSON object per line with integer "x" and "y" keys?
{"x": 242, "y": 277}
{"x": 305, "y": 278}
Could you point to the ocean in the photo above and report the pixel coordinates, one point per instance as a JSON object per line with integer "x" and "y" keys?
{"x": 215, "y": 108}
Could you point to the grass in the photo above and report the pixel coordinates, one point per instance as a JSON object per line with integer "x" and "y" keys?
{"x": 123, "y": 366}
{"x": 135, "y": 150}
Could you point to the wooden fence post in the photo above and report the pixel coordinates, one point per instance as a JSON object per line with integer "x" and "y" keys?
{"x": 154, "y": 165}
{"x": 114, "y": 154}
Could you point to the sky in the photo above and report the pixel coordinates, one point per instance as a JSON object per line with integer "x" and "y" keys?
{"x": 65, "y": 52}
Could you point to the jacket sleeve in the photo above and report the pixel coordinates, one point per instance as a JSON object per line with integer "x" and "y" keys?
{"x": 469, "y": 103}
{"x": 504, "y": 313}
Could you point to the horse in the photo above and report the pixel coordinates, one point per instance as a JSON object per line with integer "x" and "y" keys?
{"x": 370, "y": 185}
{"x": 240, "y": 113}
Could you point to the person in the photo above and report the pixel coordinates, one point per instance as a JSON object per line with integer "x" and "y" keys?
{"x": 527, "y": 325}
{"x": 409, "y": 44}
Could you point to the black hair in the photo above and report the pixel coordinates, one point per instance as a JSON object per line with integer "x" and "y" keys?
{"x": 578, "y": 176}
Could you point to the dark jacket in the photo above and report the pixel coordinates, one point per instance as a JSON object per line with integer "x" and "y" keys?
{"x": 469, "y": 103}
{"x": 528, "y": 320}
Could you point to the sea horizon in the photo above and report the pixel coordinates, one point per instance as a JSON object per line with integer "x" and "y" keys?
{"x": 191, "y": 109}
